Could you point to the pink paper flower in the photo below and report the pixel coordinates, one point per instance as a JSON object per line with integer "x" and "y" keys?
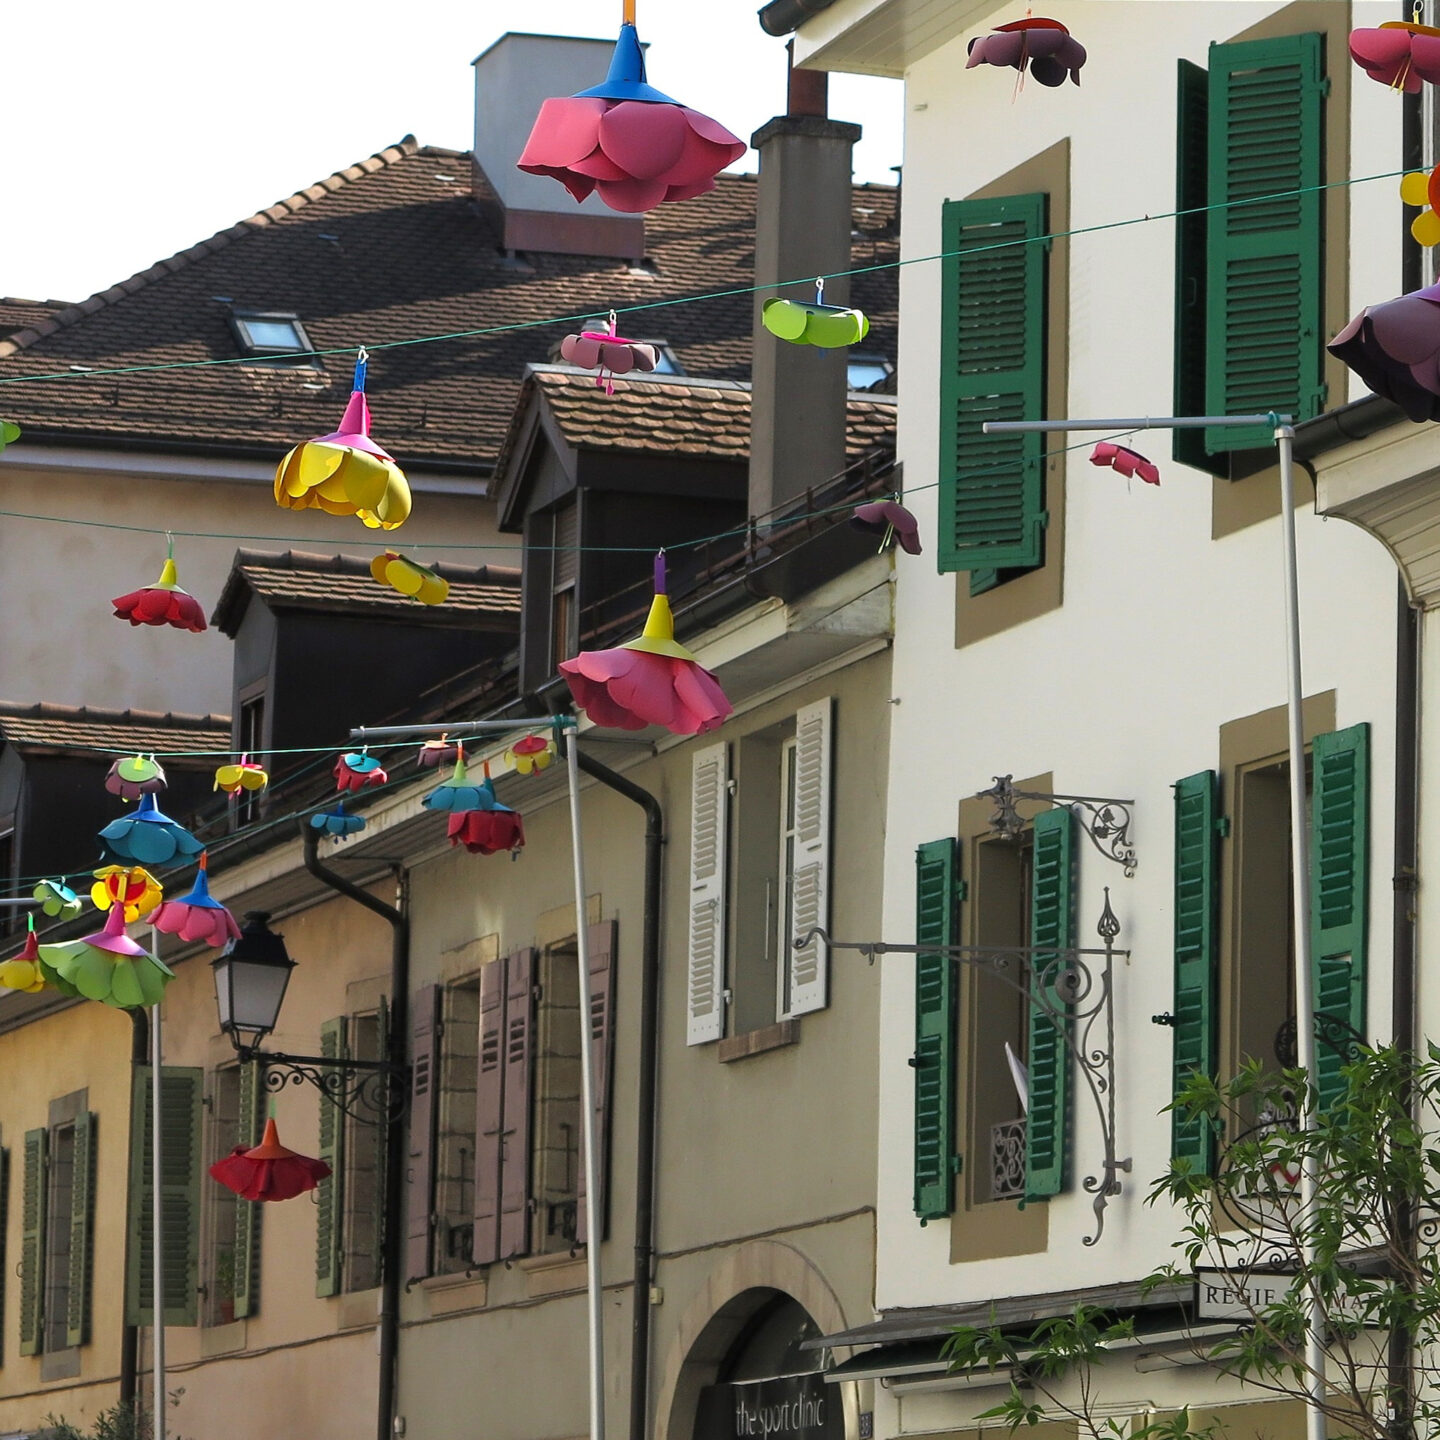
{"x": 650, "y": 681}
{"x": 627, "y": 142}
{"x": 1046, "y": 46}
{"x": 607, "y": 352}
{"x": 1125, "y": 461}
{"x": 1400, "y": 55}
{"x": 198, "y": 916}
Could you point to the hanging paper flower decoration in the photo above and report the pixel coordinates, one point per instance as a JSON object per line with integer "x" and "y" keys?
{"x": 232, "y": 779}
{"x": 1125, "y": 461}
{"x": 135, "y": 776}
{"x": 609, "y": 353}
{"x": 531, "y": 755}
{"x": 9, "y": 433}
{"x": 57, "y": 899}
{"x": 1399, "y": 53}
{"x": 337, "y": 822}
{"x": 650, "y": 681}
{"x": 457, "y": 793}
{"x": 434, "y": 753}
{"x": 346, "y": 472}
{"x": 356, "y": 769}
{"x": 1420, "y": 188}
{"x": 198, "y": 916}
{"x": 478, "y": 820}
{"x": 269, "y": 1171}
{"x": 409, "y": 578}
{"x": 627, "y": 142}
{"x": 825, "y": 326}
{"x": 131, "y": 885}
{"x": 1394, "y": 348}
{"x": 147, "y": 838}
{"x": 163, "y": 603}
{"x": 110, "y": 967}
{"x": 22, "y": 972}
{"x": 890, "y": 521}
{"x": 1046, "y": 46}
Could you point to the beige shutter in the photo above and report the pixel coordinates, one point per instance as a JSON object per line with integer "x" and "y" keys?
{"x": 709, "y": 806}
{"x": 810, "y": 964}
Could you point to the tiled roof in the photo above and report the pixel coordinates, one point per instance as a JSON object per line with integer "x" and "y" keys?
{"x": 482, "y": 597}
{"x": 16, "y": 314}
{"x": 70, "y": 727}
{"x": 386, "y": 250}
{"x": 676, "y": 416}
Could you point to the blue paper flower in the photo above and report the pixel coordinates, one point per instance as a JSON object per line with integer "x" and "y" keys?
{"x": 337, "y": 822}
{"x": 458, "y": 795}
{"x": 147, "y": 838}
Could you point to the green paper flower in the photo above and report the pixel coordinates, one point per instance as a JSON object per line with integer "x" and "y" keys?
{"x": 804, "y": 323}
{"x": 9, "y": 431}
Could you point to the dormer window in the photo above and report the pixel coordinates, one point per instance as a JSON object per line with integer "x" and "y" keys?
{"x": 666, "y": 361}
{"x": 866, "y": 371}
{"x": 272, "y": 335}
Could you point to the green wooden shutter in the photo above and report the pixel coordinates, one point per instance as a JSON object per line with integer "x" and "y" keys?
{"x": 182, "y": 1100}
{"x": 1339, "y": 871}
{"x": 1052, "y": 910}
{"x": 32, "y": 1242}
{"x": 330, "y": 1194}
{"x": 1264, "y": 328}
{"x": 247, "y": 1212}
{"x": 1192, "y": 180}
{"x": 934, "y": 1058}
{"x": 992, "y": 357}
{"x": 1197, "y": 955}
{"x": 82, "y": 1225}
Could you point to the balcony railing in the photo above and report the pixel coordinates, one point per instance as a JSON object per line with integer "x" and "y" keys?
{"x": 1007, "y": 1160}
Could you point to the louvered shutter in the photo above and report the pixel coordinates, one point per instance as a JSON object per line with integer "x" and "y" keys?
{"x": 992, "y": 357}
{"x": 1052, "y": 908}
{"x": 1264, "y": 331}
{"x": 247, "y": 1212}
{"x": 420, "y": 1176}
{"x": 182, "y": 1096}
{"x": 515, "y": 1134}
{"x": 489, "y": 1112}
{"x": 602, "y": 1033}
{"x": 82, "y": 1227}
{"x": 4, "y": 1221}
{"x": 1339, "y": 869}
{"x": 808, "y": 987}
{"x": 709, "y": 810}
{"x": 32, "y": 1242}
{"x": 936, "y": 1163}
{"x": 1197, "y": 948}
{"x": 330, "y": 1194}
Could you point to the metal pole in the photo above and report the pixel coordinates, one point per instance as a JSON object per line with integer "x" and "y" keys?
{"x": 157, "y": 1213}
{"x": 587, "y": 1102}
{"x": 362, "y": 733}
{"x": 1148, "y": 422}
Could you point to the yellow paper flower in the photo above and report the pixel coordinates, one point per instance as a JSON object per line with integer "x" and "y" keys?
{"x": 142, "y": 892}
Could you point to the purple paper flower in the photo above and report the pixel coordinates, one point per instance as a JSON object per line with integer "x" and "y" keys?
{"x": 1046, "y": 46}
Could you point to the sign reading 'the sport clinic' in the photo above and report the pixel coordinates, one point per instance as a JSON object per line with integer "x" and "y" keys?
{"x": 795, "y": 1407}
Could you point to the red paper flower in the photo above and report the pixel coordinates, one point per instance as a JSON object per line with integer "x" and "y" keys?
{"x": 1046, "y": 46}
{"x": 627, "y": 142}
{"x": 163, "y": 603}
{"x": 650, "y": 681}
{"x": 607, "y": 352}
{"x": 355, "y": 770}
{"x": 269, "y": 1171}
{"x": 487, "y": 832}
{"x": 1125, "y": 461}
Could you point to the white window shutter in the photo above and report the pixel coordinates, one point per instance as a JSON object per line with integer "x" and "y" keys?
{"x": 709, "y": 806}
{"x": 810, "y": 964}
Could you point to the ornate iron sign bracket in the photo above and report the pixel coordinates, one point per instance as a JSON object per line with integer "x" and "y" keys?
{"x": 1106, "y": 822}
{"x": 1073, "y": 989}
{"x": 371, "y": 1092}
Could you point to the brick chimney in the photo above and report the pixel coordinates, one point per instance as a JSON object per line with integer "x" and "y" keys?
{"x": 803, "y": 218}
{"x": 512, "y": 78}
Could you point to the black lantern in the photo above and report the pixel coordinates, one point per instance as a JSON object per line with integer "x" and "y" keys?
{"x": 251, "y": 974}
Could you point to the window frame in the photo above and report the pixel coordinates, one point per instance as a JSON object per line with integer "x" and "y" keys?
{"x": 300, "y": 355}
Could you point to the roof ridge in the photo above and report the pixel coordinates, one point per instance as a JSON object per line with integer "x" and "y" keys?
{"x": 403, "y": 149}
{"x": 95, "y": 714}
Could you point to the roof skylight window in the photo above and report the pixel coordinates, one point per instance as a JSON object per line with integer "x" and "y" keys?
{"x": 272, "y": 335}
{"x": 866, "y": 371}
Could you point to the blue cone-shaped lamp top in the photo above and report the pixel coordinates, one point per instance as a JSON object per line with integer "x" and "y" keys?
{"x": 626, "y": 80}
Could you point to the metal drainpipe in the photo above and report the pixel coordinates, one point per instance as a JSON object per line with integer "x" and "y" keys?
{"x": 649, "y": 1066}
{"x": 130, "y": 1334}
{"x": 393, "y": 1249}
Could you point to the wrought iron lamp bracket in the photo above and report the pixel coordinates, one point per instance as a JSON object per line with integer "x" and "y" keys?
{"x": 1073, "y": 987}
{"x": 370, "y": 1092}
{"x": 1106, "y": 822}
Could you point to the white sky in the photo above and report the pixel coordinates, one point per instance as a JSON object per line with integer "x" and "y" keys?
{"x": 131, "y": 131}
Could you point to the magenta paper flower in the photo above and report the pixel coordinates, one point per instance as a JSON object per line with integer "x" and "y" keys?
{"x": 1398, "y": 54}
{"x": 1125, "y": 461}
{"x": 1394, "y": 348}
{"x": 890, "y": 521}
{"x": 650, "y": 681}
{"x": 607, "y": 352}
{"x": 198, "y": 916}
{"x": 628, "y": 143}
{"x": 1046, "y": 46}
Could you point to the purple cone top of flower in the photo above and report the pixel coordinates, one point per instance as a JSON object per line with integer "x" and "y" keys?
{"x": 147, "y": 838}
{"x": 889, "y": 520}
{"x": 628, "y": 143}
{"x": 1046, "y": 46}
{"x": 1394, "y": 348}
{"x": 110, "y": 967}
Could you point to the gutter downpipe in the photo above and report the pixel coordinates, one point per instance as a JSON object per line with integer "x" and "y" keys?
{"x": 646, "y": 1097}
{"x": 395, "y": 1138}
{"x": 130, "y": 1334}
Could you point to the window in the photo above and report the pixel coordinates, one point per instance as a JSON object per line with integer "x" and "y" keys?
{"x": 8, "y": 922}
{"x": 231, "y": 1271}
{"x": 246, "y": 806}
{"x": 755, "y": 891}
{"x": 455, "y": 1128}
{"x": 866, "y": 372}
{"x": 529, "y": 1186}
{"x": 1250, "y": 282}
{"x": 56, "y": 1230}
{"x": 273, "y": 335}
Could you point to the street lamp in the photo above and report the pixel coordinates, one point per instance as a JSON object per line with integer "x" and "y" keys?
{"x": 251, "y": 974}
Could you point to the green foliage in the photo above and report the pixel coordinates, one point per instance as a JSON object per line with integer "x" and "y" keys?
{"x": 121, "y": 1422}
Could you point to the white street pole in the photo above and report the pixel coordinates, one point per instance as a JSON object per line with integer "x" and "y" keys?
{"x": 157, "y": 1215}
{"x": 587, "y": 1105}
